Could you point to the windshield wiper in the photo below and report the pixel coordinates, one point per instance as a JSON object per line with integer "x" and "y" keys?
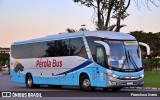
{"x": 133, "y": 62}
{"x": 125, "y": 59}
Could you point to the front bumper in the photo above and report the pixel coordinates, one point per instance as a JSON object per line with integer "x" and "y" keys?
{"x": 114, "y": 82}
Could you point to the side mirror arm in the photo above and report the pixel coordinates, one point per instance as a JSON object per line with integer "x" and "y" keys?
{"x": 106, "y": 46}
{"x": 147, "y": 46}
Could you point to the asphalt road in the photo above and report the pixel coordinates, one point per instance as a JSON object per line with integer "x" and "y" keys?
{"x": 70, "y": 93}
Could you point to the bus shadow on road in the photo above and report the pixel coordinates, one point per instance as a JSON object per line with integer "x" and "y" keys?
{"x": 68, "y": 88}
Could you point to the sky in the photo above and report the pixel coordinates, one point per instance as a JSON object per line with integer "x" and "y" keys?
{"x": 28, "y": 19}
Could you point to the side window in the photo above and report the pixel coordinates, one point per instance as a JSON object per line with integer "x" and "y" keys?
{"x": 26, "y": 50}
{"x": 63, "y": 47}
{"x": 21, "y": 51}
{"x": 37, "y": 50}
{"x": 56, "y": 48}
{"x": 93, "y": 45}
{"x": 49, "y": 49}
{"x": 100, "y": 55}
{"x": 77, "y": 48}
{"x": 16, "y": 51}
{"x": 96, "y": 50}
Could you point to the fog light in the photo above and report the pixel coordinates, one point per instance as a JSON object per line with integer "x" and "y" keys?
{"x": 114, "y": 83}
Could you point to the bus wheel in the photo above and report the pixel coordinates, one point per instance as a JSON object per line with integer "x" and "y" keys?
{"x": 29, "y": 81}
{"x": 85, "y": 83}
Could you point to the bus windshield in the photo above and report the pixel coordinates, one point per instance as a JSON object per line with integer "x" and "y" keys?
{"x": 124, "y": 55}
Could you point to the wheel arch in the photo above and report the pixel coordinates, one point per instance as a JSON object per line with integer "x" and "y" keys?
{"x": 85, "y": 73}
{"x": 28, "y": 73}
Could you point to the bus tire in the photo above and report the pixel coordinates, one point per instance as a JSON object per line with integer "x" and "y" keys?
{"x": 85, "y": 83}
{"x": 29, "y": 81}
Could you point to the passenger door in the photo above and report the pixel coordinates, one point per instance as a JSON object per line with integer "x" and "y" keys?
{"x": 101, "y": 60}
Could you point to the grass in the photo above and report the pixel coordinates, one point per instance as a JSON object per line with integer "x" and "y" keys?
{"x": 152, "y": 79}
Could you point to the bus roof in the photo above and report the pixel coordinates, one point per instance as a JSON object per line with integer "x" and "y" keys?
{"x": 102, "y": 34}
{"x": 110, "y": 35}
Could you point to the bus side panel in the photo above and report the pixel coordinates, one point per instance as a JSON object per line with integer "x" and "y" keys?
{"x": 73, "y": 78}
{"x": 40, "y": 80}
{"x": 53, "y": 80}
{"x": 96, "y": 74}
{"x": 89, "y": 71}
{"x": 45, "y": 76}
{"x": 16, "y": 73}
{"x": 17, "y": 77}
{"x": 68, "y": 72}
{"x": 101, "y": 76}
{"x": 67, "y": 79}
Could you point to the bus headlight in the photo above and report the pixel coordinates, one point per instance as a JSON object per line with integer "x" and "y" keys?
{"x": 142, "y": 75}
{"x": 114, "y": 76}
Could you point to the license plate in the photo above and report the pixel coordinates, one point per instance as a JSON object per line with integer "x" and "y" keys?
{"x": 130, "y": 83}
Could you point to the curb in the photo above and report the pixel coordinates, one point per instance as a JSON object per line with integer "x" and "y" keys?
{"x": 145, "y": 88}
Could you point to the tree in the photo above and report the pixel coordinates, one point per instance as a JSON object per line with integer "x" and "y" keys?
{"x": 147, "y": 2}
{"x": 104, "y": 9}
{"x": 3, "y": 58}
{"x": 120, "y": 12}
{"x": 83, "y": 29}
{"x": 151, "y": 39}
{"x": 69, "y": 30}
{"x": 107, "y": 9}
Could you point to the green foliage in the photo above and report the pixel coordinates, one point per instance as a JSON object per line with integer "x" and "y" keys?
{"x": 111, "y": 28}
{"x": 151, "y": 64}
{"x": 3, "y": 58}
{"x": 69, "y": 30}
{"x": 119, "y": 6}
{"x": 152, "y": 39}
{"x": 83, "y": 29}
{"x": 0, "y": 65}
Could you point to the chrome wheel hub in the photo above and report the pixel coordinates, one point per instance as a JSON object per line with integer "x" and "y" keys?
{"x": 29, "y": 81}
{"x": 86, "y": 83}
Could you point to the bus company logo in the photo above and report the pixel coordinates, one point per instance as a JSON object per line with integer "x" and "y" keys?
{"x": 48, "y": 63}
{"x": 18, "y": 67}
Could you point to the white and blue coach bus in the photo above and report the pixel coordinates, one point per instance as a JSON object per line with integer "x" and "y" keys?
{"x": 88, "y": 59}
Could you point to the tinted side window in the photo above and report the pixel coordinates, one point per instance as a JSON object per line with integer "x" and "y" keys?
{"x": 66, "y": 47}
{"x": 16, "y": 51}
{"x": 37, "y": 50}
{"x": 100, "y": 56}
{"x": 93, "y": 45}
{"x": 21, "y": 51}
{"x": 26, "y": 50}
{"x": 77, "y": 48}
{"x": 56, "y": 48}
